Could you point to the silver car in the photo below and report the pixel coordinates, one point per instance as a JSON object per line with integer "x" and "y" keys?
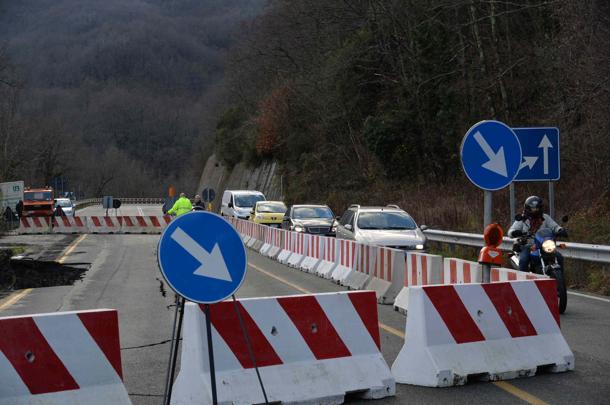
{"x": 67, "y": 206}
{"x": 382, "y": 226}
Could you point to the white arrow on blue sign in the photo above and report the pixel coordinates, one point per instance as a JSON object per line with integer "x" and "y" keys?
{"x": 540, "y": 148}
{"x": 491, "y": 155}
{"x": 202, "y": 257}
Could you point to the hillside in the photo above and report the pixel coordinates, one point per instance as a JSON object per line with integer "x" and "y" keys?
{"x": 115, "y": 96}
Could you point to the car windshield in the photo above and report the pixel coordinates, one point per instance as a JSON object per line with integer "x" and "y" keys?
{"x": 271, "y": 207}
{"x": 64, "y": 203}
{"x": 37, "y": 195}
{"x": 385, "y": 220}
{"x": 312, "y": 212}
{"x": 247, "y": 200}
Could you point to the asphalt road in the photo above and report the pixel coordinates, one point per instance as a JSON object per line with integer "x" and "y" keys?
{"x": 123, "y": 274}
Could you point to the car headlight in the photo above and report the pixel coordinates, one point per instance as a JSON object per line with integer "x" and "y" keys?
{"x": 419, "y": 247}
{"x": 259, "y": 216}
{"x": 299, "y": 228}
{"x": 549, "y": 246}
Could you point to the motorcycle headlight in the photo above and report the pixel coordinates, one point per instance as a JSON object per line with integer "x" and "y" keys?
{"x": 548, "y": 246}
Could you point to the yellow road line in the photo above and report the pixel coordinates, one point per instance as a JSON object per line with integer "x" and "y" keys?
{"x": 13, "y": 298}
{"x": 71, "y": 248}
{"x": 519, "y": 393}
{"x": 511, "y": 389}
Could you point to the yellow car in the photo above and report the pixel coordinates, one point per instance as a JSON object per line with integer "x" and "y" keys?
{"x": 268, "y": 213}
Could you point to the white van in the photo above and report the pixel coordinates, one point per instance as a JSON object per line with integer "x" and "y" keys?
{"x": 239, "y": 203}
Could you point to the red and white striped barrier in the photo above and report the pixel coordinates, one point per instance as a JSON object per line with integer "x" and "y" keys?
{"x": 34, "y": 225}
{"x": 363, "y": 267}
{"x": 309, "y": 349}
{"x": 502, "y": 274}
{"x": 498, "y": 330}
{"x": 330, "y": 258}
{"x": 61, "y": 358}
{"x": 273, "y": 242}
{"x": 101, "y": 224}
{"x": 458, "y": 271}
{"x": 69, "y": 225}
{"x": 420, "y": 269}
{"x": 346, "y": 260}
{"x": 314, "y": 253}
{"x": 388, "y": 275}
{"x": 143, "y": 224}
{"x": 298, "y": 247}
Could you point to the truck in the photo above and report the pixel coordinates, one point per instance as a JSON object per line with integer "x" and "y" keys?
{"x": 10, "y": 194}
{"x": 38, "y": 202}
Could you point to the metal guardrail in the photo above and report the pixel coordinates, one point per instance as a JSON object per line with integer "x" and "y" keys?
{"x": 579, "y": 251}
{"x": 129, "y": 200}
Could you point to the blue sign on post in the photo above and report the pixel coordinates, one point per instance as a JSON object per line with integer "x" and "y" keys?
{"x": 540, "y": 148}
{"x": 202, "y": 257}
{"x": 491, "y": 155}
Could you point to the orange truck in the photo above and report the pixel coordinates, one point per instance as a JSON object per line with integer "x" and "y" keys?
{"x": 38, "y": 202}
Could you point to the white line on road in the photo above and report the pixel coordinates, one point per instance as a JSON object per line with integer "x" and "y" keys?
{"x": 593, "y": 297}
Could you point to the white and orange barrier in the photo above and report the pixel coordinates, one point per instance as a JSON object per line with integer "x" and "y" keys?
{"x": 309, "y": 349}
{"x": 497, "y": 330}
{"x": 458, "y": 271}
{"x": 330, "y": 258}
{"x": 102, "y": 224}
{"x": 61, "y": 358}
{"x": 346, "y": 260}
{"x": 143, "y": 224}
{"x": 34, "y": 225}
{"x": 314, "y": 253}
{"x": 420, "y": 269}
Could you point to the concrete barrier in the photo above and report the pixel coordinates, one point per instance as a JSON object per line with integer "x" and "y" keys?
{"x": 314, "y": 253}
{"x": 502, "y": 274}
{"x": 458, "y": 271}
{"x": 346, "y": 260}
{"x": 490, "y": 331}
{"x": 69, "y": 225}
{"x": 420, "y": 269}
{"x": 309, "y": 349}
{"x": 34, "y": 225}
{"x": 61, "y": 358}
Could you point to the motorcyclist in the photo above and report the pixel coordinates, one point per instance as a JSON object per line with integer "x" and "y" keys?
{"x": 532, "y": 220}
{"x": 181, "y": 206}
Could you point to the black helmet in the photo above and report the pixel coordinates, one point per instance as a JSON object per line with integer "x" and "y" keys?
{"x": 534, "y": 206}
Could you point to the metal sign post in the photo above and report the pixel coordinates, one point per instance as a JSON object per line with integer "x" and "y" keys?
{"x": 203, "y": 259}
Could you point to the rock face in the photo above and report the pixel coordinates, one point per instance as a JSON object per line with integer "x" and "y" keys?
{"x": 264, "y": 178}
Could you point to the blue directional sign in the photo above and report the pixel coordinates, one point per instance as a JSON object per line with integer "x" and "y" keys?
{"x": 202, "y": 257}
{"x": 540, "y": 148}
{"x": 491, "y": 155}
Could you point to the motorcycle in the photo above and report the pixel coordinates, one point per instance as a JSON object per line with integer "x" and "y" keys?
{"x": 543, "y": 258}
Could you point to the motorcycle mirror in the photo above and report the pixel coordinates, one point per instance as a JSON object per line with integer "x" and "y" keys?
{"x": 565, "y": 218}
{"x": 518, "y": 217}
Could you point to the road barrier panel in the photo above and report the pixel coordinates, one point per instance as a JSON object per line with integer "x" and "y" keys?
{"x": 330, "y": 258}
{"x": 34, "y": 225}
{"x": 346, "y": 260}
{"x": 309, "y": 349}
{"x": 387, "y": 274}
{"x": 61, "y": 358}
{"x": 314, "y": 253}
{"x": 458, "y": 271}
{"x": 492, "y": 331}
{"x": 502, "y": 274}
{"x": 141, "y": 224}
{"x": 364, "y": 263}
{"x": 69, "y": 225}
{"x": 420, "y": 269}
{"x": 298, "y": 247}
{"x": 277, "y": 238}
{"x": 101, "y": 224}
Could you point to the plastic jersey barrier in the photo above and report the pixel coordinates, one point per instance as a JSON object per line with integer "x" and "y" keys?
{"x": 346, "y": 260}
{"x": 420, "y": 269}
{"x": 457, "y": 271}
{"x": 309, "y": 349}
{"x": 314, "y": 253}
{"x": 495, "y": 331}
{"x": 330, "y": 258}
{"x": 61, "y": 358}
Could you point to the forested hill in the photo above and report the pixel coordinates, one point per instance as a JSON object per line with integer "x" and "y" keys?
{"x": 367, "y": 101}
{"x": 115, "y": 96}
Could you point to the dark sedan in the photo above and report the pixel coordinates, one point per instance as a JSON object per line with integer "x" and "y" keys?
{"x": 314, "y": 219}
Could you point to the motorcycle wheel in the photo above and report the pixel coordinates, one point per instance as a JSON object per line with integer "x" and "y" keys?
{"x": 562, "y": 292}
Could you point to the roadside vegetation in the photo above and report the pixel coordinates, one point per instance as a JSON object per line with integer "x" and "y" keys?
{"x": 367, "y": 102}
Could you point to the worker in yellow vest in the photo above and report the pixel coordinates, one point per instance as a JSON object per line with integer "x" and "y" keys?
{"x": 181, "y": 206}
